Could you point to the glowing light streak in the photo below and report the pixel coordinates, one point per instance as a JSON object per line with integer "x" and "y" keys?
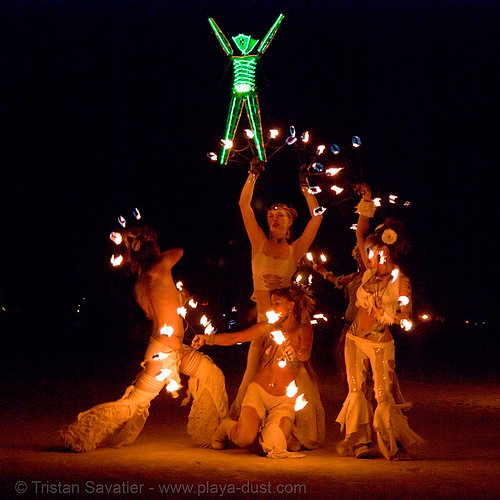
{"x": 278, "y": 337}
{"x": 320, "y": 316}
{"x": 182, "y": 311}
{"x": 300, "y": 402}
{"x": 116, "y": 238}
{"x": 406, "y": 324}
{"x": 336, "y": 189}
{"x": 292, "y": 389}
{"x": 272, "y": 317}
{"x": 116, "y": 261}
{"x": 136, "y": 213}
{"x": 333, "y": 171}
{"x": 167, "y": 330}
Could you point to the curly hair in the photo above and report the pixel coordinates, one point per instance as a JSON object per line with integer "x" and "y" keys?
{"x": 141, "y": 248}
{"x": 303, "y": 298}
{"x": 398, "y": 247}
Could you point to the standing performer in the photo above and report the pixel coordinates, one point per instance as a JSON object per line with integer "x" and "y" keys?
{"x": 274, "y": 262}
{"x": 383, "y": 298}
{"x": 120, "y": 422}
{"x": 244, "y": 88}
{"x": 266, "y": 406}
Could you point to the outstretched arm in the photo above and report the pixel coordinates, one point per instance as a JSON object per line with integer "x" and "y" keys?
{"x": 254, "y": 231}
{"x": 365, "y": 209}
{"x": 225, "y": 339}
{"x": 270, "y": 35}
{"x": 226, "y": 46}
{"x": 301, "y": 245}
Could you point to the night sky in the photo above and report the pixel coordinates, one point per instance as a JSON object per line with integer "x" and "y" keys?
{"x": 108, "y": 106}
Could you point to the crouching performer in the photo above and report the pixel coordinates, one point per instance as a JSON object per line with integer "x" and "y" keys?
{"x": 119, "y": 422}
{"x": 271, "y": 402}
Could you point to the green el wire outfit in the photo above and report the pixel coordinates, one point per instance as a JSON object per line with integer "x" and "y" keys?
{"x": 244, "y": 88}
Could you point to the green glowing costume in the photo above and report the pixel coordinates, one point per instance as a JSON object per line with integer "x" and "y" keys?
{"x": 244, "y": 88}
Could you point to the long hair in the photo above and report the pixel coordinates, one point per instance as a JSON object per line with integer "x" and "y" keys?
{"x": 141, "y": 248}
{"x": 301, "y": 296}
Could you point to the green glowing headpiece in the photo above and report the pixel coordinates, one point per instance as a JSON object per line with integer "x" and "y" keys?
{"x": 245, "y": 43}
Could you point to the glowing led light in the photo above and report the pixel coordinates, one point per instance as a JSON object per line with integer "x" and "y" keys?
{"x": 212, "y": 156}
{"x": 305, "y": 136}
{"x": 282, "y": 363}
{"x": 172, "y": 386}
{"x": 292, "y": 389}
{"x": 193, "y": 303}
{"x": 272, "y": 316}
{"x": 317, "y": 167}
{"x": 234, "y": 309}
{"x": 309, "y": 256}
{"x": 116, "y": 261}
{"x": 300, "y": 402}
{"x": 249, "y": 133}
{"x": 291, "y": 140}
{"x": 395, "y": 274}
{"x": 319, "y": 210}
{"x": 406, "y": 324}
{"x": 179, "y": 285}
{"x": 377, "y": 202}
{"x": 136, "y": 213}
{"x": 333, "y": 171}
{"x": 182, "y": 311}
{"x": 336, "y": 189}
{"x": 166, "y": 330}
{"x": 314, "y": 189}
{"x": 356, "y": 141}
{"x": 320, "y": 149}
{"x": 323, "y": 257}
{"x": 403, "y": 300}
{"x": 164, "y": 373}
{"x": 116, "y": 238}
{"x": 278, "y": 336}
{"x": 335, "y": 149}
{"x": 122, "y": 221}
{"x": 292, "y": 131}
{"x": 273, "y": 133}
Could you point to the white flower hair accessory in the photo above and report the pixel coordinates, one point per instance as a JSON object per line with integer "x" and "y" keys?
{"x": 389, "y": 236}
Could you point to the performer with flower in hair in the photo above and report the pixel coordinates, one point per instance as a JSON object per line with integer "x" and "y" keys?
{"x": 274, "y": 262}
{"x": 120, "y": 422}
{"x": 268, "y": 409}
{"x": 383, "y": 299}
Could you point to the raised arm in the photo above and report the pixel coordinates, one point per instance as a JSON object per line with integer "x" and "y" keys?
{"x": 301, "y": 245}
{"x": 365, "y": 209}
{"x": 226, "y": 339}
{"x": 254, "y": 231}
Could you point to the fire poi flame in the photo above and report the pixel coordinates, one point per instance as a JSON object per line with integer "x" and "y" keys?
{"x": 300, "y": 402}
{"x": 333, "y": 171}
{"x": 272, "y": 316}
{"x": 116, "y": 261}
{"x": 179, "y": 285}
{"x": 182, "y": 311}
{"x": 406, "y": 324}
{"x": 323, "y": 258}
{"x": 172, "y": 386}
{"x": 115, "y": 237}
{"x": 278, "y": 337}
{"x": 404, "y": 300}
{"x": 282, "y": 363}
{"x": 395, "y": 274}
{"x": 336, "y": 189}
{"x": 193, "y": 303}
{"x": 164, "y": 373}
{"x": 292, "y": 389}
{"x": 167, "y": 330}
{"x": 309, "y": 256}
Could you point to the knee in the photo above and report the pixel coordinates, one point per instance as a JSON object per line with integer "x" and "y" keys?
{"x": 243, "y": 437}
